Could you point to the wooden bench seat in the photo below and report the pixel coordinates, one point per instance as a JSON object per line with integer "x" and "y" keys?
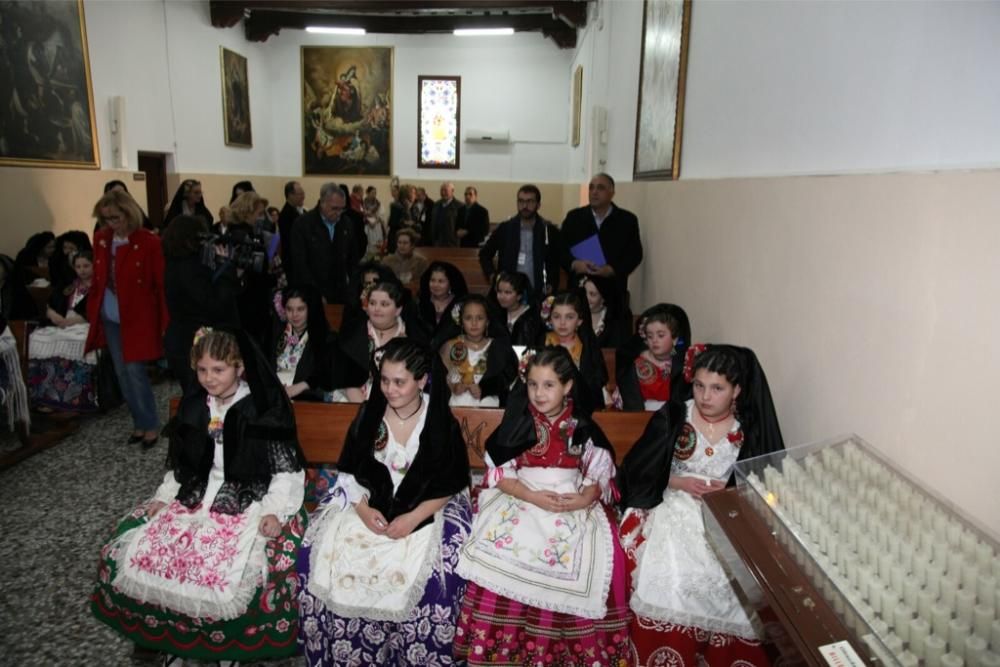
{"x": 322, "y": 428}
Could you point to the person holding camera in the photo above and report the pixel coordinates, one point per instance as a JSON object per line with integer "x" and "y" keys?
{"x": 248, "y": 245}
{"x": 324, "y": 249}
{"x": 197, "y": 295}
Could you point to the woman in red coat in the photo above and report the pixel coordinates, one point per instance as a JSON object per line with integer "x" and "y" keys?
{"x": 126, "y": 309}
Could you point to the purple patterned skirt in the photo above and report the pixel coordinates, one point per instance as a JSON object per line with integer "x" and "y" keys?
{"x": 425, "y": 638}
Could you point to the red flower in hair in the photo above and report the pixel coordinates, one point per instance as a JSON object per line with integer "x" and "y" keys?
{"x": 689, "y": 358}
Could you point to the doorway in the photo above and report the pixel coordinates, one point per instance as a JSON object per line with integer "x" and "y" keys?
{"x": 154, "y": 166}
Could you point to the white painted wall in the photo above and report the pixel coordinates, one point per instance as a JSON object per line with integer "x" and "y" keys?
{"x": 519, "y": 83}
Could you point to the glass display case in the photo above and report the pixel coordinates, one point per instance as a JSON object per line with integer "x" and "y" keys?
{"x": 859, "y": 562}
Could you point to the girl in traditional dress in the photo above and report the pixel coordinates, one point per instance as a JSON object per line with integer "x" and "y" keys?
{"x": 610, "y": 319}
{"x": 301, "y": 343}
{"x": 386, "y": 317}
{"x": 511, "y": 295}
{"x": 441, "y": 286}
{"x": 378, "y": 570}
{"x": 480, "y": 365}
{"x": 649, "y": 367}
{"x": 206, "y": 568}
{"x": 546, "y": 572}
{"x": 60, "y": 377}
{"x": 569, "y": 323}
{"x": 685, "y": 608}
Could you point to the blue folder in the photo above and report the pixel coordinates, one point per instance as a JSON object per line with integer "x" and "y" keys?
{"x": 589, "y": 250}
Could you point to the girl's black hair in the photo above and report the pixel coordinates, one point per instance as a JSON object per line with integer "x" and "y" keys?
{"x": 110, "y": 185}
{"x": 85, "y": 254}
{"x": 572, "y": 298}
{"x": 474, "y": 298}
{"x": 555, "y": 357}
{"x": 242, "y": 186}
{"x": 395, "y": 291}
{"x": 721, "y": 360}
{"x": 673, "y": 317}
{"x": 518, "y": 281}
{"x": 415, "y": 357}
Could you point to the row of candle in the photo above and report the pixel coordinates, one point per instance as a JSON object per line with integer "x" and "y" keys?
{"x": 932, "y": 580}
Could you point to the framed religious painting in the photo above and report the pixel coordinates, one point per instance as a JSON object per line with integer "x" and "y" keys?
{"x": 347, "y": 110}
{"x": 666, "y": 25}
{"x": 235, "y": 99}
{"x": 439, "y": 122}
{"x": 47, "y": 105}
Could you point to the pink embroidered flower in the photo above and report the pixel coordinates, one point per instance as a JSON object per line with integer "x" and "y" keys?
{"x": 250, "y": 631}
{"x": 288, "y": 546}
{"x": 282, "y": 625}
{"x": 217, "y": 637}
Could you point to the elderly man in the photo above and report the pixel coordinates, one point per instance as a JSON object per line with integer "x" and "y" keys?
{"x": 444, "y": 217}
{"x": 473, "y": 221}
{"x": 527, "y": 243}
{"x": 602, "y": 239}
{"x": 324, "y": 248}
{"x": 295, "y": 197}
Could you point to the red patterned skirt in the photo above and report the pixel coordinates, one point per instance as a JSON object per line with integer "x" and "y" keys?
{"x": 495, "y": 630}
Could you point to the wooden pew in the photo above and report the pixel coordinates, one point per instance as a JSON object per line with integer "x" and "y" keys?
{"x": 322, "y": 428}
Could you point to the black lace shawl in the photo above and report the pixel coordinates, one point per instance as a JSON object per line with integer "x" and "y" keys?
{"x": 593, "y": 371}
{"x": 440, "y": 468}
{"x": 646, "y": 468}
{"x": 516, "y": 433}
{"x": 259, "y": 439}
{"x": 428, "y": 315}
{"x": 352, "y": 360}
{"x": 316, "y": 364}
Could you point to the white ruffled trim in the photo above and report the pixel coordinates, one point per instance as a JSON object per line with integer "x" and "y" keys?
{"x": 651, "y": 611}
{"x": 467, "y": 572}
{"x": 14, "y": 397}
{"x": 65, "y": 343}
{"x": 252, "y": 579}
{"x": 415, "y": 594}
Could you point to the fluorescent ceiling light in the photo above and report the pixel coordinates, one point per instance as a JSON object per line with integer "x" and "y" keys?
{"x": 483, "y": 32}
{"x": 324, "y": 30}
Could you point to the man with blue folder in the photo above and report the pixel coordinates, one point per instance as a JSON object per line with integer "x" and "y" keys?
{"x": 601, "y": 239}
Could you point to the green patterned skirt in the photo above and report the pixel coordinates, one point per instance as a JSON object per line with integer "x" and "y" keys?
{"x": 267, "y": 629}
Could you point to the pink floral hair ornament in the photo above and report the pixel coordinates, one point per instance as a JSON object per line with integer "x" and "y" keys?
{"x": 522, "y": 365}
{"x": 279, "y": 308}
{"x": 456, "y": 314}
{"x": 689, "y": 358}
{"x": 201, "y": 333}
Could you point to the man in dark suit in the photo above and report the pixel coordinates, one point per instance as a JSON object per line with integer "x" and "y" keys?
{"x": 295, "y": 197}
{"x": 444, "y": 218}
{"x": 324, "y": 248}
{"x": 527, "y": 243}
{"x": 617, "y": 231}
{"x": 473, "y": 221}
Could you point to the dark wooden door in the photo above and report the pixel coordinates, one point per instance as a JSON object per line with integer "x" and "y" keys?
{"x": 154, "y": 165}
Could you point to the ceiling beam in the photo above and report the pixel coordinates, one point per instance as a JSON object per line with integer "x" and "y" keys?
{"x": 381, "y": 6}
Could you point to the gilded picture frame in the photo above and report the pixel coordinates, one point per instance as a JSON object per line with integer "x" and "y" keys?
{"x": 235, "y": 99}
{"x": 666, "y": 26}
{"x": 347, "y": 108}
{"x": 577, "y": 106}
{"x": 47, "y": 106}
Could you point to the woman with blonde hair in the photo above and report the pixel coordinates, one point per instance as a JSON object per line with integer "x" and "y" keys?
{"x": 126, "y": 306}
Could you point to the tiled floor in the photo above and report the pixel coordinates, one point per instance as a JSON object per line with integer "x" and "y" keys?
{"x": 56, "y": 510}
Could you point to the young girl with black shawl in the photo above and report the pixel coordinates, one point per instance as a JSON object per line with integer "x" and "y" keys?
{"x": 513, "y": 305}
{"x": 378, "y": 568}
{"x": 684, "y": 603}
{"x": 568, "y": 321}
{"x": 650, "y": 366}
{"x": 387, "y": 315}
{"x": 546, "y": 572}
{"x": 205, "y": 569}
{"x": 301, "y": 344}
{"x": 441, "y": 287}
{"x": 479, "y": 360}
{"x": 610, "y": 319}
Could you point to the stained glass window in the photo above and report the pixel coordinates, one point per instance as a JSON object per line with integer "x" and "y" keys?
{"x": 438, "y": 120}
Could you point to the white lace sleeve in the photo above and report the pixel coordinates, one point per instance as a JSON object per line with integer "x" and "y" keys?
{"x": 284, "y": 495}
{"x": 168, "y": 488}
{"x": 599, "y": 468}
{"x": 494, "y": 473}
{"x": 354, "y": 491}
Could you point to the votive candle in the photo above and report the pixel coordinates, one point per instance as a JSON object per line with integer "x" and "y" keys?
{"x": 901, "y": 617}
{"x": 965, "y": 600}
{"x": 958, "y": 632}
{"x": 933, "y": 650}
{"x": 951, "y": 660}
{"x": 920, "y": 630}
{"x": 940, "y": 618}
{"x": 975, "y": 647}
{"x": 982, "y": 618}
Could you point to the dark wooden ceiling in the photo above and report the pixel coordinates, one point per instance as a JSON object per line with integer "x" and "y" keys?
{"x": 557, "y": 20}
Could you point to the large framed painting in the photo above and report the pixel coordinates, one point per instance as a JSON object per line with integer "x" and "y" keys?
{"x": 439, "y": 121}
{"x": 46, "y": 99}
{"x": 666, "y": 25}
{"x": 347, "y": 110}
{"x": 235, "y": 99}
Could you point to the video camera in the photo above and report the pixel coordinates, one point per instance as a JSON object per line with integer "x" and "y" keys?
{"x": 242, "y": 250}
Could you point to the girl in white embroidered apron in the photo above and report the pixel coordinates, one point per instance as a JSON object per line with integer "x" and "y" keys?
{"x": 378, "y": 570}
{"x": 686, "y": 610}
{"x": 480, "y": 367}
{"x": 545, "y": 570}
{"x": 206, "y": 568}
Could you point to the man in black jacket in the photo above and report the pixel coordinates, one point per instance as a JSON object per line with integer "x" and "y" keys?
{"x": 617, "y": 231}
{"x": 444, "y": 218}
{"x": 324, "y": 249}
{"x": 527, "y": 243}
{"x": 473, "y": 221}
{"x": 295, "y": 197}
